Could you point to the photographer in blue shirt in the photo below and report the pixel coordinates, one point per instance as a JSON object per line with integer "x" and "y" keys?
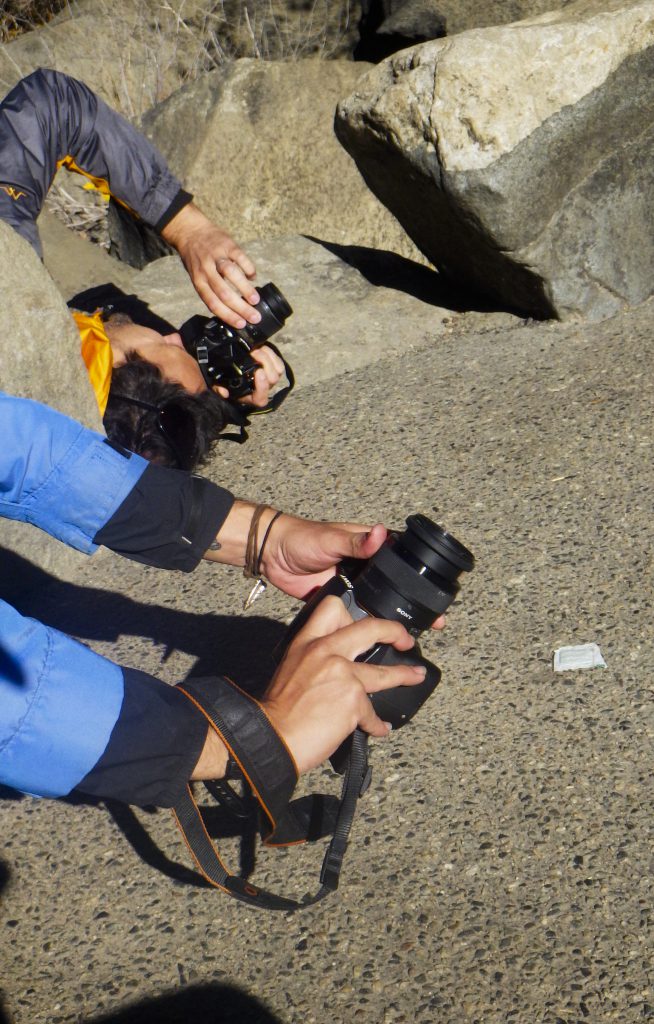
{"x": 73, "y": 720}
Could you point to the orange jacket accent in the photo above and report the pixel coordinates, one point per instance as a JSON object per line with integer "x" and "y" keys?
{"x": 96, "y": 353}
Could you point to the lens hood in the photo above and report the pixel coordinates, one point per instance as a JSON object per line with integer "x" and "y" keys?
{"x": 274, "y": 310}
{"x": 433, "y": 544}
{"x": 413, "y": 577}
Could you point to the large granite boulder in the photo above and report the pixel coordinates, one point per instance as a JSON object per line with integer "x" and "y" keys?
{"x": 121, "y": 54}
{"x": 40, "y": 356}
{"x": 255, "y": 144}
{"x": 461, "y": 15}
{"x": 39, "y": 359}
{"x": 519, "y": 158}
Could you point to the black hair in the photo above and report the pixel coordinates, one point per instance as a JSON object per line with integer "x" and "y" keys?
{"x": 137, "y": 429}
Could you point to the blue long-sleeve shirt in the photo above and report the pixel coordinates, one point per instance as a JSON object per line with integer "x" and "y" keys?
{"x": 60, "y": 703}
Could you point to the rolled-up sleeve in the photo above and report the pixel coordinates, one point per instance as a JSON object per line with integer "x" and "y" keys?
{"x": 58, "y": 475}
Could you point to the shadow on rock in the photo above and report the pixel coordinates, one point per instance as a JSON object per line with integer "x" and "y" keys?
{"x": 220, "y": 1004}
{"x": 4, "y": 878}
{"x": 390, "y": 270}
{"x": 235, "y": 646}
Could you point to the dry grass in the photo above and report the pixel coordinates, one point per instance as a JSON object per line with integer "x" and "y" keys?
{"x": 20, "y": 16}
{"x": 175, "y": 42}
{"x": 274, "y": 30}
{"x": 212, "y": 33}
{"x": 81, "y": 210}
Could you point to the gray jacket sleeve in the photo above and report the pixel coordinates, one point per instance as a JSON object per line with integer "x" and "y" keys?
{"x": 49, "y": 117}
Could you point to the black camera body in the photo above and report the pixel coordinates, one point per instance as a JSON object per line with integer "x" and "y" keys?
{"x": 223, "y": 352}
{"x": 412, "y": 579}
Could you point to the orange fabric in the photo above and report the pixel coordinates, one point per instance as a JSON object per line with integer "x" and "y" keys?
{"x": 100, "y": 185}
{"x": 96, "y": 353}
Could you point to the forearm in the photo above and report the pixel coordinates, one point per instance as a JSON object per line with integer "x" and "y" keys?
{"x": 68, "y": 481}
{"x": 230, "y": 546}
{"x": 71, "y": 719}
{"x": 160, "y": 741}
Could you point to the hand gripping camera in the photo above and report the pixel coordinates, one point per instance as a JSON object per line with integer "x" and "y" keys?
{"x": 411, "y": 579}
{"x": 223, "y": 352}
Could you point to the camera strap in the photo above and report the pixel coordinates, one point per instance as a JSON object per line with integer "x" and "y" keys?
{"x": 259, "y": 757}
{"x": 238, "y": 414}
{"x": 283, "y": 393}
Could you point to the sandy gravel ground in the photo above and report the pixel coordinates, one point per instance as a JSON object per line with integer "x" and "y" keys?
{"x": 500, "y": 870}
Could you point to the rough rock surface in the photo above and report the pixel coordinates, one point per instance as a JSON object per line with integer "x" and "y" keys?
{"x": 498, "y": 868}
{"x": 39, "y": 359}
{"x": 519, "y": 158}
{"x": 342, "y": 319}
{"x": 120, "y": 51}
{"x": 255, "y": 145}
{"x": 461, "y": 15}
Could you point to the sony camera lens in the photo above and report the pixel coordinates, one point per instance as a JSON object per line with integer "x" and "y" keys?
{"x": 413, "y": 577}
{"x": 274, "y": 310}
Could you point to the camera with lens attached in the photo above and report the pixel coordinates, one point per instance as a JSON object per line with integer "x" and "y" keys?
{"x": 411, "y": 579}
{"x": 223, "y": 352}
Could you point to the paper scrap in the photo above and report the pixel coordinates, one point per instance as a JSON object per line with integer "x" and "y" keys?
{"x": 570, "y": 659}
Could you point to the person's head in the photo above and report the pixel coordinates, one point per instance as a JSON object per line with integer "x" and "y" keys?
{"x": 159, "y": 405}
{"x": 164, "y": 350}
{"x": 158, "y": 418}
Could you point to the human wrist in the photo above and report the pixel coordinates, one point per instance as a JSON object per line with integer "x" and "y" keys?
{"x": 263, "y": 520}
{"x": 231, "y": 544}
{"x": 212, "y": 763}
{"x": 231, "y": 539}
{"x": 186, "y": 221}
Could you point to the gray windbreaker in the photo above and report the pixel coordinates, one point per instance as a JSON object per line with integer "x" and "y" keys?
{"x": 50, "y": 119}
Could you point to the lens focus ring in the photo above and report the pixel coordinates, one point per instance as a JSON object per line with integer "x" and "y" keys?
{"x": 411, "y": 584}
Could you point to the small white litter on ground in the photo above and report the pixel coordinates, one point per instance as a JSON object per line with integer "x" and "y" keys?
{"x": 570, "y": 659}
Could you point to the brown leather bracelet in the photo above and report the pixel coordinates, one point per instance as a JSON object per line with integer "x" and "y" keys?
{"x": 251, "y": 556}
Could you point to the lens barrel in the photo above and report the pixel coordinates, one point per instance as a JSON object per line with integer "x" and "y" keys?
{"x": 413, "y": 577}
{"x": 274, "y": 310}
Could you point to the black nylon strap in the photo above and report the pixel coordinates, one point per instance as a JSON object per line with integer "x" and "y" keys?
{"x": 239, "y": 413}
{"x": 250, "y": 738}
{"x": 203, "y": 851}
{"x": 270, "y": 771}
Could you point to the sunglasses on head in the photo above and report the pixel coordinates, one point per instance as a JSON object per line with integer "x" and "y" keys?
{"x": 175, "y": 424}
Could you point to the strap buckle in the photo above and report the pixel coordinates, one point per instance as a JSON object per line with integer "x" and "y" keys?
{"x": 331, "y": 868}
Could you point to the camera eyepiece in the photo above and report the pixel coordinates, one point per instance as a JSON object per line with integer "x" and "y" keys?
{"x": 413, "y": 577}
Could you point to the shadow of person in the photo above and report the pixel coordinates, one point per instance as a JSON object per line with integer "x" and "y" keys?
{"x": 220, "y": 1004}
{"x": 4, "y": 879}
{"x": 236, "y": 646}
{"x": 387, "y": 269}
